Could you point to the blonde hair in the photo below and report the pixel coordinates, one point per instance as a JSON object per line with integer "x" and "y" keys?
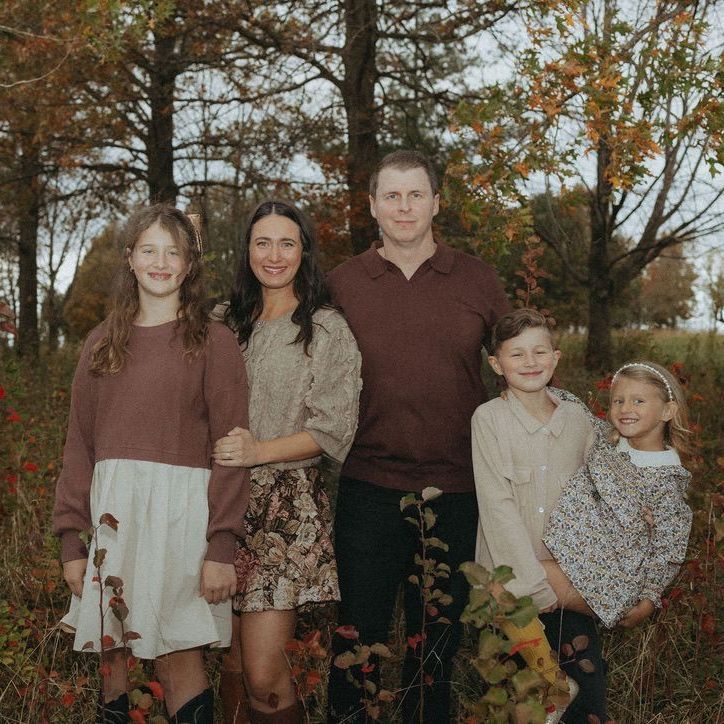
{"x": 676, "y": 430}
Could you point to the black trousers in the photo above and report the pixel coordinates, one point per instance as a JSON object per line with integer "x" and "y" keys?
{"x": 562, "y": 628}
{"x": 375, "y": 550}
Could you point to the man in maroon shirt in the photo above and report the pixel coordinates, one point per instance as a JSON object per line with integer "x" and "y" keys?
{"x": 421, "y": 313}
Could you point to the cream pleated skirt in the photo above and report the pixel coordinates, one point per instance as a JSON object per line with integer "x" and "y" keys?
{"x": 157, "y": 551}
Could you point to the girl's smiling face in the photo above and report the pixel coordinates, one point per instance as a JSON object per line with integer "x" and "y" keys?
{"x": 159, "y": 263}
{"x": 639, "y": 413}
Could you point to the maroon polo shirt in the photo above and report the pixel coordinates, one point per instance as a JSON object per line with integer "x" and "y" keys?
{"x": 421, "y": 342}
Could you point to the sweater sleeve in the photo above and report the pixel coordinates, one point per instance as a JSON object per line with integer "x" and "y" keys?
{"x": 333, "y": 398}
{"x": 669, "y": 538}
{"x": 227, "y": 400}
{"x": 504, "y": 530}
{"x": 71, "y": 513}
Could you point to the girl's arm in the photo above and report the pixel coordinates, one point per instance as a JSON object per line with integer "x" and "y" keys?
{"x": 669, "y": 535}
{"x": 505, "y": 533}
{"x": 227, "y": 399}
{"x": 71, "y": 513}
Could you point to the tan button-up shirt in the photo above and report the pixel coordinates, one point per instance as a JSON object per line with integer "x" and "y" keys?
{"x": 521, "y": 465}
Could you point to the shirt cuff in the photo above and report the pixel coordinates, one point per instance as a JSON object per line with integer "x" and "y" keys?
{"x": 221, "y": 547}
{"x": 544, "y": 598}
{"x": 72, "y": 547}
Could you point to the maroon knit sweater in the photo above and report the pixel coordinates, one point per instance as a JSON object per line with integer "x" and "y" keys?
{"x": 161, "y": 407}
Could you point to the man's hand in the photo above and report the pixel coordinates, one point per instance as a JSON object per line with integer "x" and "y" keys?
{"x": 640, "y": 612}
{"x": 237, "y": 449}
{"x": 74, "y": 573}
{"x": 218, "y": 581}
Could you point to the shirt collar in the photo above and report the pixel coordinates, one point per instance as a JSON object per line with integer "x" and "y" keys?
{"x": 533, "y": 424}
{"x": 441, "y": 261}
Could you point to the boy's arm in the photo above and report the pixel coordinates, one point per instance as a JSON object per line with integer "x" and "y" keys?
{"x": 501, "y": 521}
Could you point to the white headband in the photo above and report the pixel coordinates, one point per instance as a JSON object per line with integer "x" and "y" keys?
{"x": 651, "y": 369}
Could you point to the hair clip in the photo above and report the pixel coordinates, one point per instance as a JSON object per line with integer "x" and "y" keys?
{"x": 195, "y": 220}
{"x": 651, "y": 369}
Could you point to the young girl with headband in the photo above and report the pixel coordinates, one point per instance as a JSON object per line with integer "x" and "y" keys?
{"x": 621, "y": 527}
{"x": 156, "y": 383}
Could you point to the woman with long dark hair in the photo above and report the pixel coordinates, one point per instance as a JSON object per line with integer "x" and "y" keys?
{"x": 304, "y": 376}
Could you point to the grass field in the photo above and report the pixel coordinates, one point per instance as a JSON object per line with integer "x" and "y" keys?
{"x": 669, "y": 670}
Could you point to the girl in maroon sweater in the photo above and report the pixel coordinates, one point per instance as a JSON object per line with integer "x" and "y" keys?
{"x": 155, "y": 384}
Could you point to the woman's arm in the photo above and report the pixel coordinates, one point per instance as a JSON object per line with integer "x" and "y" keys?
{"x": 240, "y": 449}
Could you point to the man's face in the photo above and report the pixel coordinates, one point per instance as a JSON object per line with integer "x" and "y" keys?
{"x": 404, "y": 205}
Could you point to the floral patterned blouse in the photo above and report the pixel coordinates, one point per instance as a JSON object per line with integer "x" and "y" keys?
{"x": 599, "y": 536}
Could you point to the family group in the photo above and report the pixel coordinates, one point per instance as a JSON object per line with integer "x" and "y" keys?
{"x": 193, "y": 456}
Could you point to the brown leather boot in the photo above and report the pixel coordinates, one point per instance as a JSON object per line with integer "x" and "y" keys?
{"x": 291, "y": 715}
{"x": 234, "y": 700}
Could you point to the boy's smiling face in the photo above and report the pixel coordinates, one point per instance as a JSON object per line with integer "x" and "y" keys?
{"x": 527, "y": 361}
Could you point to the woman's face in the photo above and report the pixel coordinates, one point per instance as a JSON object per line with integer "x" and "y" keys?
{"x": 275, "y": 252}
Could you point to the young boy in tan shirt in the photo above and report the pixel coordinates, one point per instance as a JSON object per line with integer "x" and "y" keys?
{"x": 526, "y": 444}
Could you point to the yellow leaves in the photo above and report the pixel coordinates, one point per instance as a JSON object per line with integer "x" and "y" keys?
{"x": 682, "y": 18}
{"x": 482, "y": 179}
{"x": 522, "y": 169}
{"x": 609, "y": 82}
{"x": 551, "y": 108}
{"x": 573, "y": 68}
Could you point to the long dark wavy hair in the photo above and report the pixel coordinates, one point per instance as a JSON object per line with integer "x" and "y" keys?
{"x": 110, "y": 353}
{"x": 245, "y": 302}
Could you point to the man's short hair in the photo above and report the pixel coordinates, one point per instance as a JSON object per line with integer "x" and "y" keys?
{"x": 405, "y": 160}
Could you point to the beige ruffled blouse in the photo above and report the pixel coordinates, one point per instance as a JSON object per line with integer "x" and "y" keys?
{"x": 292, "y": 391}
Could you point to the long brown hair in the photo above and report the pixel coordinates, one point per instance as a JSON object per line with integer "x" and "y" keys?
{"x": 110, "y": 353}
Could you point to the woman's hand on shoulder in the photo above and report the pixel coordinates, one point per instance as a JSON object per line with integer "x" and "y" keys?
{"x": 639, "y": 613}
{"x": 237, "y": 449}
{"x": 74, "y": 573}
{"x": 218, "y": 581}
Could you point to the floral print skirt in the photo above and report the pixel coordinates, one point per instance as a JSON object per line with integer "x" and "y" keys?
{"x": 286, "y": 557}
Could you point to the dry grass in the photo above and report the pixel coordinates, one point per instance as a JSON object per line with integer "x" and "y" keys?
{"x": 668, "y": 671}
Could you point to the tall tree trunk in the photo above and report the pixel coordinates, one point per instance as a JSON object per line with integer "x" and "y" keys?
{"x": 28, "y": 199}
{"x": 360, "y": 76}
{"x": 599, "y": 346}
{"x": 53, "y": 312}
{"x": 159, "y": 145}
